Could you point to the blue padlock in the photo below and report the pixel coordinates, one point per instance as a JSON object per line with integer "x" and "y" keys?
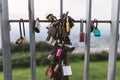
{"x": 97, "y": 32}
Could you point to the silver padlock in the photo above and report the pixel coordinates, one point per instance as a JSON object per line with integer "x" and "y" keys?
{"x": 67, "y": 70}
{"x": 53, "y": 42}
{"x": 37, "y": 26}
{"x": 50, "y": 57}
{"x": 51, "y": 32}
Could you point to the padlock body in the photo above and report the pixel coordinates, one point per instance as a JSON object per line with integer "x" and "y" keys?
{"x": 48, "y": 37}
{"x": 82, "y": 35}
{"x": 51, "y": 31}
{"x": 50, "y": 57}
{"x": 49, "y": 73}
{"x": 59, "y": 52}
{"x": 97, "y": 33}
{"x": 37, "y": 26}
{"x": 48, "y": 26}
{"x": 67, "y": 27}
{"x": 57, "y": 68}
{"x": 53, "y": 42}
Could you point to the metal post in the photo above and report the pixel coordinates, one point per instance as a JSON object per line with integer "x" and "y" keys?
{"x": 5, "y": 39}
{"x": 113, "y": 39}
{"x": 61, "y": 8}
{"x": 87, "y": 40}
{"x": 32, "y": 39}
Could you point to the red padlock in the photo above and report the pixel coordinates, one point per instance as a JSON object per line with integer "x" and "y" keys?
{"x": 82, "y": 35}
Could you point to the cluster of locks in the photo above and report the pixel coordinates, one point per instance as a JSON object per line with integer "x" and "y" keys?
{"x": 59, "y": 31}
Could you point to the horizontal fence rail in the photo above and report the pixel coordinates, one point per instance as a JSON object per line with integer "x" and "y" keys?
{"x": 76, "y": 21}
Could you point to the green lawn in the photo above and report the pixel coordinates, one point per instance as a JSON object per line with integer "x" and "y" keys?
{"x": 98, "y": 71}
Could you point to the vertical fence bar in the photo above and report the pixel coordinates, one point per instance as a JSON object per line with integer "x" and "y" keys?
{"x": 87, "y": 40}
{"x": 61, "y": 8}
{"x": 32, "y": 39}
{"x": 5, "y": 40}
{"x": 113, "y": 40}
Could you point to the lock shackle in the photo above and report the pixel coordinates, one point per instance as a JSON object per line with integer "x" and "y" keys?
{"x": 37, "y": 19}
{"x": 20, "y": 28}
{"x": 48, "y": 16}
{"x": 54, "y": 18}
{"x": 81, "y": 25}
{"x": 51, "y": 17}
{"x": 65, "y": 16}
{"x": 96, "y": 26}
{"x": 21, "y": 24}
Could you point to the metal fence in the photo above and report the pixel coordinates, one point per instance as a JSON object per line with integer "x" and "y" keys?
{"x": 5, "y": 35}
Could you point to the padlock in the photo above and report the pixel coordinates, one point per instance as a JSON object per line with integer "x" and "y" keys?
{"x": 82, "y": 35}
{"x": 51, "y": 32}
{"x": 49, "y": 72}
{"x": 21, "y": 40}
{"x": 57, "y": 68}
{"x": 37, "y": 26}
{"x": 67, "y": 70}
{"x": 59, "y": 52}
{"x": 51, "y": 57}
{"x": 53, "y": 42}
{"x": 67, "y": 25}
{"x": 96, "y": 31}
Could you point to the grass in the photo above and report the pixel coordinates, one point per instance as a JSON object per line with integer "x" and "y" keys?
{"x": 98, "y": 71}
